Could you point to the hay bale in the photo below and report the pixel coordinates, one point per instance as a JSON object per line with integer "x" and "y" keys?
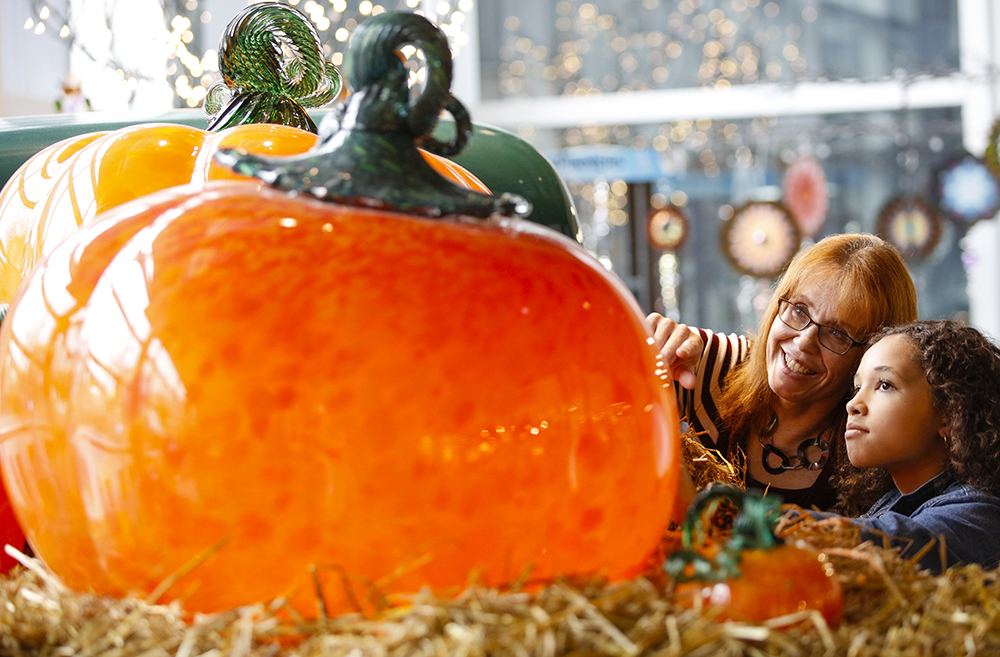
{"x": 891, "y": 610}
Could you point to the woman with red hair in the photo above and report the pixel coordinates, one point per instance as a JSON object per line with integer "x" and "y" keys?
{"x": 775, "y": 402}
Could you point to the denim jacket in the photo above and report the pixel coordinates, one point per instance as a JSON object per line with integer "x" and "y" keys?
{"x": 966, "y": 519}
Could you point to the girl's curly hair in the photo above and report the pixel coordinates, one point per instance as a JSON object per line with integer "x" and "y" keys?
{"x": 962, "y": 367}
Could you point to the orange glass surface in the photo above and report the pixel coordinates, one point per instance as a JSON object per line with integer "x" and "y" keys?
{"x": 67, "y": 184}
{"x": 265, "y": 384}
{"x": 773, "y": 583}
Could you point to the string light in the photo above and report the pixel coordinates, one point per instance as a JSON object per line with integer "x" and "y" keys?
{"x": 614, "y": 50}
{"x": 187, "y": 66}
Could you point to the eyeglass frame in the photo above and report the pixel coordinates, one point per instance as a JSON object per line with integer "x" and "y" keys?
{"x": 819, "y": 327}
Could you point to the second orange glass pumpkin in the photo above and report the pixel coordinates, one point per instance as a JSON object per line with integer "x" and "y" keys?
{"x": 66, "y": 185}
{"x": 263, "y": 384}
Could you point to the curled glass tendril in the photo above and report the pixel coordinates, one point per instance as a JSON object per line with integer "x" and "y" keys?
{"x": 272, "y": 66}
{"x": 367, "y": 151}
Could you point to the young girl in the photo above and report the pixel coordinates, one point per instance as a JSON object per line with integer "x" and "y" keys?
{"x": 924, "y": 428}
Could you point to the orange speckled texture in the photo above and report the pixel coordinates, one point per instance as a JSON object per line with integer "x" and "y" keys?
{"x": 398, "y": 401}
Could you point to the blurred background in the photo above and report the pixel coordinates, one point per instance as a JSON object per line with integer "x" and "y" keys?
{"x": 703, "y": 141}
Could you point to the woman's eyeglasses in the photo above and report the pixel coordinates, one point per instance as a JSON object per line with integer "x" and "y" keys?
{"x": 795, "y": 317}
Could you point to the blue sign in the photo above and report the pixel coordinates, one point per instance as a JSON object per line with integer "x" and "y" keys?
{"x": 585, "y": 163}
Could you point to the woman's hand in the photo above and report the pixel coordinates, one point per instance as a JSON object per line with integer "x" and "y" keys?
{"x": 679, "y": 346}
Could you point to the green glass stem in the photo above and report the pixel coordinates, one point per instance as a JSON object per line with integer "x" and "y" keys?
{"x": 367, "y": 153}
{"x": 272, "y": 66}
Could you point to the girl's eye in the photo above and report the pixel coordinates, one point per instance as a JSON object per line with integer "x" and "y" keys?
{"x": 884, "y": 385}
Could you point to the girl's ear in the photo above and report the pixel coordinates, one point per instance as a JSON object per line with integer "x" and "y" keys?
{"x": 943, "y": 432}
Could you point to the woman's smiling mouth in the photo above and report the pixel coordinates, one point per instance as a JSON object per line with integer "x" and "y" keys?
{"x": 794, "y": 366}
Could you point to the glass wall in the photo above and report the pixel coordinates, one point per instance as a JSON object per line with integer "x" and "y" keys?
{"x": 711, "y": 168}
{"x": 868, "y": 160}
{"x": 600, "y": 46}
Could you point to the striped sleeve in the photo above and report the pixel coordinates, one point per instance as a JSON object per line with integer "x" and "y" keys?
{"x": 721, "y": 354}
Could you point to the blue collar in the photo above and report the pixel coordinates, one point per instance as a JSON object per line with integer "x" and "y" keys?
{"x": 909, "y": 503}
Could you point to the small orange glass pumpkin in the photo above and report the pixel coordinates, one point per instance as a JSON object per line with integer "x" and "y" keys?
{"x": 753, "y": 576}
{"x": 773, "y": 583}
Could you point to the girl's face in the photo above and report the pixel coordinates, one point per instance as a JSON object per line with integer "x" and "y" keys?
{"x": 799, "y": 369}
{"x": 891, "y": 421}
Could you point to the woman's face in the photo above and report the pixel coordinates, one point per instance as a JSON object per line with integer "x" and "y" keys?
{"x": 799, "y": 369}
{"x": 891, "y": 421}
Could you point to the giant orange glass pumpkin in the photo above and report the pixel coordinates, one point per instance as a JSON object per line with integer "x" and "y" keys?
{"x": 217, "y": 390}
{"x": 397, "y": 400}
